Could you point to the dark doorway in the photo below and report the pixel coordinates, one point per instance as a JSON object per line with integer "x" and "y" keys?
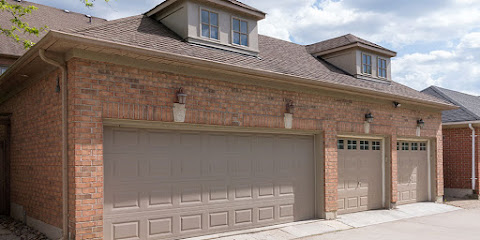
{"x": 4, "y": 166}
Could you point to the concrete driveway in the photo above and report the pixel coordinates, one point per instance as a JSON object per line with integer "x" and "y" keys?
{"x": 461, "y": 224}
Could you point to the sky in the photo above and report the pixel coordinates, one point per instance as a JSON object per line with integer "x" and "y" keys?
{"x": 437, "y": 41}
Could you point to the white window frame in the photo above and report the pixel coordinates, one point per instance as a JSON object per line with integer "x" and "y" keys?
{"x": 364, "y": 64}
{"x": 209, "y": 24}
{"x": 379, "y": 69}
{"x": 233, "y": 32}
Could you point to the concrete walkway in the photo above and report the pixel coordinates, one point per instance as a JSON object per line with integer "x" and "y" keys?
{"x": 313, "y": 228}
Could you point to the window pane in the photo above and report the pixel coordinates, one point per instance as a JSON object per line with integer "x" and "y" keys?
{"x": 236, "y": 38}
{"x": 205, "y": 30}
{"x": 244, "y": 27}
{"x": 340, "y": 144}
{"x": 369, "y": 69}
{"x": 244, "y": 40}
{"x": 369, "y": 60}
{"x": 205, "y": 17}
{"x": 236, "y": 25}
{"x": 214, "y": 19}
{"x": 214, "y": 32}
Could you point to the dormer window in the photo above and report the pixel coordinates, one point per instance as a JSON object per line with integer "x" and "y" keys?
{"x": 382, "y": 68}
{"x": 366, "y": 63}
{"x": 3, "y": 69}
{"x": 209, "y": 24}
{"x": 240, "y": 32}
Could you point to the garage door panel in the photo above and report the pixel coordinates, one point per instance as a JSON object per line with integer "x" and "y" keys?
{"x": 412, "y": 172}
{"x": 198, "y": 183}
{"x": 360, "y": 175}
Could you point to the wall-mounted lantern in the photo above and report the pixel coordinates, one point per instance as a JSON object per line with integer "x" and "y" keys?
{"x": 290, "y": 107}
{"x": 420, "y": 123}
{"x": 369, "y": 117}
{"x": 181, "y": 96}
{"x": 397, "y": 104}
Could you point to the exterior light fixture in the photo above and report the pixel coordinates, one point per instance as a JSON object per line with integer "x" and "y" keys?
{"x": 420, "y": 123}
{"x": 181, "y": 96}
{"x": 290, "y": 107}
{"x": 397, "y": 104}
{"x": 57, "y": 88}
{"x": 369, "y": 117}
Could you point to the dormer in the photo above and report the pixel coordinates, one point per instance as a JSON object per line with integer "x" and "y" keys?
{"x": 356, "y": 56}
{"x": 224, "y": 24}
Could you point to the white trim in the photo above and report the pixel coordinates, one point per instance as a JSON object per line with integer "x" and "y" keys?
{"x": 384, "y": 190}
{"x": 461, "y": 123}
{"x": 429, "y": 167}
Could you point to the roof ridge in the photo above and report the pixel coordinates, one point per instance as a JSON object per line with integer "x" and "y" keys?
{"x": 440, "y": 92}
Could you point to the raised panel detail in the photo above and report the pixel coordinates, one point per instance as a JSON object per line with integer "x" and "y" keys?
{"x": 161, "y": 197}
{"x": 191, "y": 223}
{"x": 218, "y": 193}
{"x": 191, "y": 195}
{"x": 125, "y": 199}
{"x": 243, "y": 216}
{"x": 353, "y": 202}
{"x": 128, "y": 230}
{"x": 219, "y": 219}
{"x": 266, "y": 213}
{"x": 286, "y": 211}
{"x": 266, "y": 190}
{"x": 243, "y": 191}
{"x": 126, "y": 168}
{"x": 161, "y": 226}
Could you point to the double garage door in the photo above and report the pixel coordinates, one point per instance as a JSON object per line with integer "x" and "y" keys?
{"x": 171, "y": 185}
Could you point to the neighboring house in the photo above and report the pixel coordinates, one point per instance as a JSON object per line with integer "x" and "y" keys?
{"x": 461, "y": 164}
{"x": 185, "y": 121}
{"x": 53, "y": 18}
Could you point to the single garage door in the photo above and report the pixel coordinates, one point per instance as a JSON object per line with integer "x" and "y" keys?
{"x": 360, "y": 175}
{"x": 412, "y": 172}
{"x": 172, "y": 184}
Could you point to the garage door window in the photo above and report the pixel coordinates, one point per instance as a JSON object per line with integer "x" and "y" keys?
{"x": 364, "y": 145}
{"x": 376, "y": 146}
{"x": 423, "y": 147}
{"x": 405, "y": 146}
{"x": 341, "y": 144}
{"x": 414, "y": 146}
{"x": 352, "y": 145}
{"x": 398, "y": 146}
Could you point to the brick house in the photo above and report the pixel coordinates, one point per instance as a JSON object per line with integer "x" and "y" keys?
{"x": 185, "y": 121}
{"x": 461, "y": 164}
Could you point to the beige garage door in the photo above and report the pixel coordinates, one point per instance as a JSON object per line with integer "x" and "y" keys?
{"x": 360, "y": 175}
{"x": 412, "y": 172}
{"x": 171, "y": 185}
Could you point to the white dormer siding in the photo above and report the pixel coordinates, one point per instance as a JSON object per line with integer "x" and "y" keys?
{"x": 185, "y": 19}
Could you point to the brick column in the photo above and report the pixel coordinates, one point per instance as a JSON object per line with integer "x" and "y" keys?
{"x": 439, "y": 165}
{"x": 393, "y": 171}
{"x": 85, "y": 156}
{"x": 331, "y": 170}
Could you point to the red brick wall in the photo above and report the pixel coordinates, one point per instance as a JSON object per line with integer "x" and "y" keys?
{"x": 36, "y": 182}
{"x": 457, "y": 156}
{"x": 101, "y": 90}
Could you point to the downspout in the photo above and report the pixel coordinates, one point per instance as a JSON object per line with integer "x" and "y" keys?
{"x": 473, "y": 157}
{"x": 64, "y": 90}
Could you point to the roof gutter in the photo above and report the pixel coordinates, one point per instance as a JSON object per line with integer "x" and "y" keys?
{"x": 272, "y": 76}
{"x": 461, "y": 123}
{"x": 474, "y": 177}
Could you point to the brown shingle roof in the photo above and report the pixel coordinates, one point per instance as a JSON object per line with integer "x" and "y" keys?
{"x": 275, "y": 55}
{"x": 53, "y": 18}
{"x": 340, "y": 42}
